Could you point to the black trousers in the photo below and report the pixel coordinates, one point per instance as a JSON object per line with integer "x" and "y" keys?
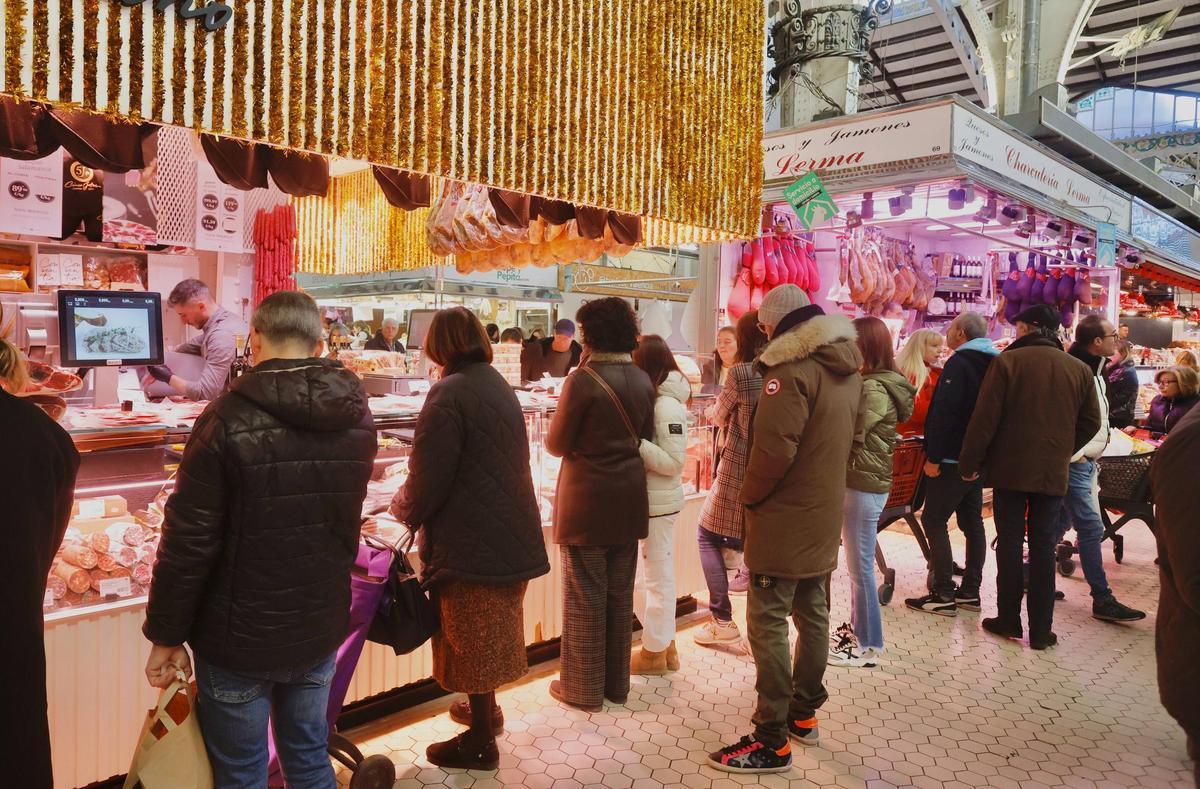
{"x": 945, "y": 495}
{"x": 1020, "y": 516}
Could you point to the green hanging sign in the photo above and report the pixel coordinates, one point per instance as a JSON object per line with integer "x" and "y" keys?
{"x": 810, "y": 199}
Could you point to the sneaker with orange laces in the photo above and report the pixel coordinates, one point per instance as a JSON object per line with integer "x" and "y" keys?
{"x": 751, "y": 755}
{"x": 804, "y": 731}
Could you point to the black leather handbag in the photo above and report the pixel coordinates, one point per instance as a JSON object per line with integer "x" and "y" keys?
{"x": 406, "y": 618}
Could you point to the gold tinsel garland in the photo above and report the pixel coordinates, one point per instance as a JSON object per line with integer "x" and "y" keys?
{"x": 179, "y": 72}
{"x": 158, "y": 98}
{"x": 41, "y": 48}
{"x": 114, "y": 59}
{"x": 355, "y": 230}
{"x": 136, "y": 44}
{"x": 14, "y": 32}
{"x": 275, "y": 127}
{"x": 91, "y": 48}
{"x": 646, "y": 108}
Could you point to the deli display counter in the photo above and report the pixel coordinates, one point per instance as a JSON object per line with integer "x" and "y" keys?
{"x": 96, "y": 594}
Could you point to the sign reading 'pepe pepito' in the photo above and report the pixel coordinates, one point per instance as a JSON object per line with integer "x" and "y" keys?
{"x": 215, "y": 15}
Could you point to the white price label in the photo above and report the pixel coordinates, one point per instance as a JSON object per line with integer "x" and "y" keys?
{"x": 91, "y": 508}
{"x": 418, "y": 387}
{"x": 115, "y": 587}
{"x": 48, "y": 599}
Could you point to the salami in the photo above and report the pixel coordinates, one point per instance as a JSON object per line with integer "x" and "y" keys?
{"x": 96, "y": 577}
{"x": 75, "y": 577}
{"x": 125, "y": 555}
{"x": 126, "y": 534}
{"x": 97, "y": 541}
{"x": 80, "y": 556}
{"x": 141, "y": 574}
{"x": 56, "y": 586}
{"x": 106, "y": 562}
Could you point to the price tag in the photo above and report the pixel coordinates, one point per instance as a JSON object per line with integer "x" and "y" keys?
{"x": 418, "y": 387}
{"x": 115, "y": 587}
{"x": 91, "y": 508}
{"x": 48, "y": 599}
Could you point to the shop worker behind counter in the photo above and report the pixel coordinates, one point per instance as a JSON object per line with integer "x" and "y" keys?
{"x": 554, "y": 356}
{"x": 193, "y": 303}
{"x": 260, "y": 536}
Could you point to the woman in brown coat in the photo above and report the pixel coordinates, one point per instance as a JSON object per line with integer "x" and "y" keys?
{"x": 723, "y": 519}
{"x": 601, "y": 508}
{"x": 470, "y": 495}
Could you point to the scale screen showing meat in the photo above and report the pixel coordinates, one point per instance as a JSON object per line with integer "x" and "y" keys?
{"x": 106, "y": 328}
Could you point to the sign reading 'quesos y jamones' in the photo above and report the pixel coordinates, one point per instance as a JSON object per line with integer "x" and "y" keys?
{"x": 883, "y": 139}
{"x": 214, "y": 15}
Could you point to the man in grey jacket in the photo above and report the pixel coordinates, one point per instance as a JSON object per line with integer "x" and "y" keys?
{"x": 193, "y": 303}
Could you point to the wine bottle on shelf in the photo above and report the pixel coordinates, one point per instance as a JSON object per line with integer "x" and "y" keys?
{"x": 241, "y": 357}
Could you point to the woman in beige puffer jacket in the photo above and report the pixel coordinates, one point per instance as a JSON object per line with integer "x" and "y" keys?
{"x": 664, "y": 455}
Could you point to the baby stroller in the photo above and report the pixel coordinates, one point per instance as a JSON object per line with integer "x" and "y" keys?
{"x": 367, "y": 584}
{"x": 1124, "y": 489}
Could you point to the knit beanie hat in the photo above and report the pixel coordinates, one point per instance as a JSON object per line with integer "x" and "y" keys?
{"x": 781, "y": 301}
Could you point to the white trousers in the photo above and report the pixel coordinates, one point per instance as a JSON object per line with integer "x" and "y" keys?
{"x": 654, "y": 593}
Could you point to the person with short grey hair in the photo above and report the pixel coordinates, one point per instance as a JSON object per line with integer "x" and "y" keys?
{"x": 946, "y": 493}
{"x": 259, "y": 539}
{"x": 193, "y": 302}
{"x": 387, "y": 338}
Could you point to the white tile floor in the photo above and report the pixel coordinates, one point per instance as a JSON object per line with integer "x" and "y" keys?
{"x": 951, "y": 707}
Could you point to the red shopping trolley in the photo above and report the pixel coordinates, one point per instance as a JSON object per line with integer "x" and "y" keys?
{"x": 904, "y": 500}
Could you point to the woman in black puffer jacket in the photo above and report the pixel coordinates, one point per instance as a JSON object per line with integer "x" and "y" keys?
{"x": 470, "y": 494}
{"x": 1122, "y": 387}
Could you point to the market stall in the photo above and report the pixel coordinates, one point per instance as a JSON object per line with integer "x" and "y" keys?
{"x": 940, "y": 209}
{"x": 289, "y": 138}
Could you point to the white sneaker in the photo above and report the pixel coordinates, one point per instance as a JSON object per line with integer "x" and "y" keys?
{"x": 848, "y": 653}
{"x": 715, "y": 631}
{"x": 843, "y": 631}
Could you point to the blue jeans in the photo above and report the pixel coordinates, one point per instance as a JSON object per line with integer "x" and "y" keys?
{"x": 234, "y": 708}
{"x": 1081, "y": 508}
{"x": 859, "y": 531}
{"x": 715, "y": 574}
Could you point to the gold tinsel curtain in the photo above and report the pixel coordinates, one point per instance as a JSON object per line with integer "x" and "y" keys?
{"x": 355, "y": 230}
{"x": 643, "y": 107}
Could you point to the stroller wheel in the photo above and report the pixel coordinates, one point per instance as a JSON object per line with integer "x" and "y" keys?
{"x": 1063, "y": 551}
{"x": 374, "y": 772}
{"x": 1066, "y": 566}
{"x": 1118, "y": 547}
{"x": 886, "y": 591}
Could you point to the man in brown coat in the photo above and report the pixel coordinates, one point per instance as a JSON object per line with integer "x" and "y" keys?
{"x": 793, "y": 490}
{"x": 1173, "y": 477}
{"x": 1037, "y": 408}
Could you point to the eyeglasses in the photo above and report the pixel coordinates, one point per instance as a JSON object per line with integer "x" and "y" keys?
{"x": 1167, "y": 382}
{"x": 1114, "y": 335}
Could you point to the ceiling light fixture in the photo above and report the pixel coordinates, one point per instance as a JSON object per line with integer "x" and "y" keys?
{"x": 868, "y": 206}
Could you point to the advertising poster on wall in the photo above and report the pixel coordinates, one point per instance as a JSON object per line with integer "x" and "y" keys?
{"x": 130, "y": 201}
{"x": 219, "y": 212}
{"x": 31, "y": 195}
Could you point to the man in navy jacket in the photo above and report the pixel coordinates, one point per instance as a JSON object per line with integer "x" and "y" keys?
{"x": 946, "y": 493}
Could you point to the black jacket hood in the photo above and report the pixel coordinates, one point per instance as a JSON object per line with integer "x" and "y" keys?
{"x": 318, "y": 395}
{"x": 1095, "y": 363}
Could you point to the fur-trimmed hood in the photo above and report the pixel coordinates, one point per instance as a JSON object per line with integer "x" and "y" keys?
{"x": 830, "y": 340}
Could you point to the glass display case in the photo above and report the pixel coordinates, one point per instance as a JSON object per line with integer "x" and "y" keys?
{"x": 127, "y": 472}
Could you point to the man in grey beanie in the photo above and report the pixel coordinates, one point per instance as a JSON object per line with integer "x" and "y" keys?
{"x": 793, "y": 491}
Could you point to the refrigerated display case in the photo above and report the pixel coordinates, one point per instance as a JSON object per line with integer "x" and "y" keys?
{"x": 94, "y": 646}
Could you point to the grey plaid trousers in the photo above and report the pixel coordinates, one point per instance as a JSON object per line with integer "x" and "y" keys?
{"x": 597, "y": 629}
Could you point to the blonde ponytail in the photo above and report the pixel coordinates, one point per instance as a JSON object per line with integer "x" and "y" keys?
{"x": 13, "y": 372}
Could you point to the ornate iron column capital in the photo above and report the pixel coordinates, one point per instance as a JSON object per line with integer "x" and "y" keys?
{"x": 831, "y": 31}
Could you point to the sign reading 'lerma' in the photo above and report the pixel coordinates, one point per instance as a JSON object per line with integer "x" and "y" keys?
{"x": 883, "y": 139}
{"x": 215, "y": 14}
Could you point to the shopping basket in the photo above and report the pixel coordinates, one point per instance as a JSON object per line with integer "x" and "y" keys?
{"x": 906, "y": 497}
{"x": 367, "y": 584}
{"x": 1125, "y": 490}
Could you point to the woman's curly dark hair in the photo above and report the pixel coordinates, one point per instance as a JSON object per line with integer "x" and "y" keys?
{"x": 609, "y": 325}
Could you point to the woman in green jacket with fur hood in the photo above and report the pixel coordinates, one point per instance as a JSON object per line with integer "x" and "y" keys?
{"x": 887, "y": 399}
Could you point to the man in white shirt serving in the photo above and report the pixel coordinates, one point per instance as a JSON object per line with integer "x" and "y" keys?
{"x": 194, "y": 304}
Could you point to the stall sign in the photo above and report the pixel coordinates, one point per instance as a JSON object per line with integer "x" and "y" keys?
{"x": 215, "y": 15}
{"x": 220, "y": 219}
{"x": 884, "y": 139}
{"x": 31, "y": 195}
{"x": 809, "y": 198}
{"x": 981, "y": 141}
{"x": 1106, "y": 244}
